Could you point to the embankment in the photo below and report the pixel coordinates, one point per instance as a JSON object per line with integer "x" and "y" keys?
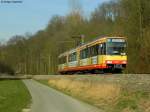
{"x": 113, "y": 93}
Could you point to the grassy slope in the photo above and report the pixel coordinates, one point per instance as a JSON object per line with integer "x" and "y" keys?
{"x": 14, "y": 96}
{"x": 112, "y": 93}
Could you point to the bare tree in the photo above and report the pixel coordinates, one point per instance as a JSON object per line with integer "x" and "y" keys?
{"x": 75, "y": 6}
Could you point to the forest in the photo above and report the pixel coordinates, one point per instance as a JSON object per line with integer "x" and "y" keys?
{"x": 37, "y": 53}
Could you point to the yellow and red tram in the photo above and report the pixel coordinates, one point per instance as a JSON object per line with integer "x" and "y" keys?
{"x": 101, "y": 55}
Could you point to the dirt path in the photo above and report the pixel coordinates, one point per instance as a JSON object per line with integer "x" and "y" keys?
{"x": 46, "y": 99}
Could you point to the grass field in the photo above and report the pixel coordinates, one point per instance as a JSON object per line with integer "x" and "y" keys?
{"x": 120, "y": 93}
{"x": 14, "y": 96}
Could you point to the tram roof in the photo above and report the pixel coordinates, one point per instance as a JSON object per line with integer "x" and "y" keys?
{"x": 87, "y": 43}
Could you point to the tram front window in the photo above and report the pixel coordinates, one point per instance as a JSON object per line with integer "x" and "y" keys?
{"x": 116, "y": 48}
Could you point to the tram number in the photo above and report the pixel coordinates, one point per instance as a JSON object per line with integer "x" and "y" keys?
{"x": 116, "y": 40}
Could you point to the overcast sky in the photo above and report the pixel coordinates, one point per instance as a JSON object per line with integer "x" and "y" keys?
{"x": 33, "y": 15}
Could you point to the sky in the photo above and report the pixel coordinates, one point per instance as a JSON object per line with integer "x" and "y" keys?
{"x": 33, "y": 15}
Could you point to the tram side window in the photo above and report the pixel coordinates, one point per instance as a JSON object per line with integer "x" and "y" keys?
{"x": 84, "y": 53}
{"x": 94, "y": 50}
{"x": 102, "y": 49}
{"x": 62, "y": 60}
{"x": 73, "y": 57}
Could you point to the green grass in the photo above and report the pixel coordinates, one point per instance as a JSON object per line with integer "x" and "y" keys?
{"x": 14, "y": 96}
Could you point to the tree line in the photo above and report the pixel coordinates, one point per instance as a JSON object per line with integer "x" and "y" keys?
{"x": 37, "y": 53}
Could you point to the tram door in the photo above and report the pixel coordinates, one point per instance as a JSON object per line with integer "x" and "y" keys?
{"x": 102, "y": 53}
{"x": 94, "y": 54}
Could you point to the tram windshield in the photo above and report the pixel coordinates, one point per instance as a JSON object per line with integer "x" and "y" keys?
{"x": 116, "y": 47}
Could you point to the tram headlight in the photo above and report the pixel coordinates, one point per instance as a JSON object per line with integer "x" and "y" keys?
{"x": 124, "y": 62}
{"x": 109, "y": 62}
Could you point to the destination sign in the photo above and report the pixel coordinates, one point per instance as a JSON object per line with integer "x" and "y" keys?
{"x": 116, "y": 40}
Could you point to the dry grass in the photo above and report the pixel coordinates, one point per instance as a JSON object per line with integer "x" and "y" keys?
{"x": 112, "y": 93}
{"x": 99, "y": 94}
{"x": 128, "y": 110}
{"x": 145, "y": 105}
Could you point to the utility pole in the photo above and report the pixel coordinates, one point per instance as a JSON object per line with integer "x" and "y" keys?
{"x": 49, "y": 64}
{"x": 140, "y": 19}
{"x": 80, "y": 39}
